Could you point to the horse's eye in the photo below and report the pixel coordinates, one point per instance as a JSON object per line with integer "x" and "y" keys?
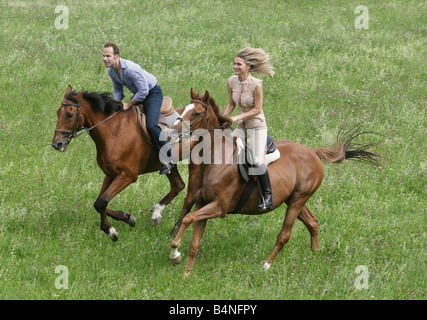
{"x": 195, "y": 115}
{"x": 69, "y": 115}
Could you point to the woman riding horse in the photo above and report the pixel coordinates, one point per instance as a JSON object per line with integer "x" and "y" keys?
{"x": 246, "y": 91}
{"x": 217, "y": 187}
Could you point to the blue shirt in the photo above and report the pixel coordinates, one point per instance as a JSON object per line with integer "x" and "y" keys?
{"x": 133, "y": 77}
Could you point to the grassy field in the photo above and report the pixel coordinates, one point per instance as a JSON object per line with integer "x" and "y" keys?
{"x": 328, "y": 73}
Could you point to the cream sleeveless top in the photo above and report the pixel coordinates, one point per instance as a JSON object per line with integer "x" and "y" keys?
{"x": 243, "y": 96}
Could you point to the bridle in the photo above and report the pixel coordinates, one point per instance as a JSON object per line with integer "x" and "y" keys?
{"x": 71, "y": 134}
{"x": 205, "y": 118}
{"x": 191, "y": 127}
{"x": 74, "y": 132}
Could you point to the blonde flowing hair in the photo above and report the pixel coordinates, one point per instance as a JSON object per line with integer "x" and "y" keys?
{"x": 258, "y": 59}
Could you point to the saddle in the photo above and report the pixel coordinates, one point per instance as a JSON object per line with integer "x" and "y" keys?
{"x": 168, "y": 116}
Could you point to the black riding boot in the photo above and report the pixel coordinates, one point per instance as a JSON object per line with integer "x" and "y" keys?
{"x": 266, "y": 198}
{"x": 166, "y": 167}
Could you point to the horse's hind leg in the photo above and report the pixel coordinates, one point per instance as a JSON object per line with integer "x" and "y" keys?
{"x": 311, "y": 222}
{"x": 292, "y": 212}
{"x": 177, "y": 184}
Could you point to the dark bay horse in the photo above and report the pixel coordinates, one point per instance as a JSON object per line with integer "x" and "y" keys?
{"x": 122, "y": 151}
{"x": 217, "y": 187}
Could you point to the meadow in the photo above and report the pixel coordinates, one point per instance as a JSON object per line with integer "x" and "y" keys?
{"x": 329, "y": 74}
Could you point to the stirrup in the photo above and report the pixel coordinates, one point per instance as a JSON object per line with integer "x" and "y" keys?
{"x": 167, "y": 168}
{"x": 266, "y": 205}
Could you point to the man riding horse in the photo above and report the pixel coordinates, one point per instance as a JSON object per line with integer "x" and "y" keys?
{"x": 146, "y": 91}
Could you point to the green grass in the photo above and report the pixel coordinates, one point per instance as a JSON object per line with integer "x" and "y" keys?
{"x": 328, "y": 73}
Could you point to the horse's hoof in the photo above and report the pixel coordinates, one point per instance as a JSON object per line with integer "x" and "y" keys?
{"x": 132, "y": 220}
{"x": 176, "y": 261}
{"x": 155, "y": 222}
{"x": 113, "y": 234}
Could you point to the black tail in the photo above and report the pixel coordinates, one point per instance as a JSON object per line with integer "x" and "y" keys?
{"x": 347, "y": 148}
{"x": 358, "y": 151}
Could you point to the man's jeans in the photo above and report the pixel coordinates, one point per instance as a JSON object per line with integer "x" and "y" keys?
{"x": 152, "y": 104}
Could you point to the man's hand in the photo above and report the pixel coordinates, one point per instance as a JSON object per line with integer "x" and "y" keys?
{"x": 130, "y": 103}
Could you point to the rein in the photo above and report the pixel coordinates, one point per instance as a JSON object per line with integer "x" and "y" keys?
{"x": 74, "y": 133}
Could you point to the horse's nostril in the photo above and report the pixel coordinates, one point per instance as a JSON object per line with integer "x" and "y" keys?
{"x": 57, "y": 145}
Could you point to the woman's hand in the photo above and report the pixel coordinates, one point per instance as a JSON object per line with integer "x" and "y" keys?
{"x": 234, "y": 119}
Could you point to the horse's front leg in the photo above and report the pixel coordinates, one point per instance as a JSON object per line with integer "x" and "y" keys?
{"x": 211, "y": 210}
{"x": 110, "y": 188}
{"x": 116, "y": 215}
{"x": 188, "y": 204}
{"x": 193, "y": 184}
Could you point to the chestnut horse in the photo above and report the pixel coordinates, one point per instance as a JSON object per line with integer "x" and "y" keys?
{"x": 217, "y": 187}
{"x": 123, "y": 152}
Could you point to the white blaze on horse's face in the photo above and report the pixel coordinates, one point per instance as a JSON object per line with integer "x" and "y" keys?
{"x": 187, "y": 108}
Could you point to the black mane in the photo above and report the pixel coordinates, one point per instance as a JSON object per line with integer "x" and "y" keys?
{"x": 100, "y": 102}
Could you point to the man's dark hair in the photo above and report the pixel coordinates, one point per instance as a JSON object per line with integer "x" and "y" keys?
{"x": 114, "y": 46}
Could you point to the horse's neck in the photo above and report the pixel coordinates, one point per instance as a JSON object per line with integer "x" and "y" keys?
{"x": 223, "y": 147}
{"x": 102, "y": 132}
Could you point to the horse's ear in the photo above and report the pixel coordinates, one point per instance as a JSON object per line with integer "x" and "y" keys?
{"x": 206, "y": 97}
{"x": 192, "y": 94}
{"x": 79, "y": 95}
{"x": 69, "y": 90}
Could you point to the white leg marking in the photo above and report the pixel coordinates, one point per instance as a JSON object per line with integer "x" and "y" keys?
{"x": 113, "y": 233}
{"x": 266, "y": 266}
{"x": 174, "y": 254}
{"x": 158, "y": 210}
